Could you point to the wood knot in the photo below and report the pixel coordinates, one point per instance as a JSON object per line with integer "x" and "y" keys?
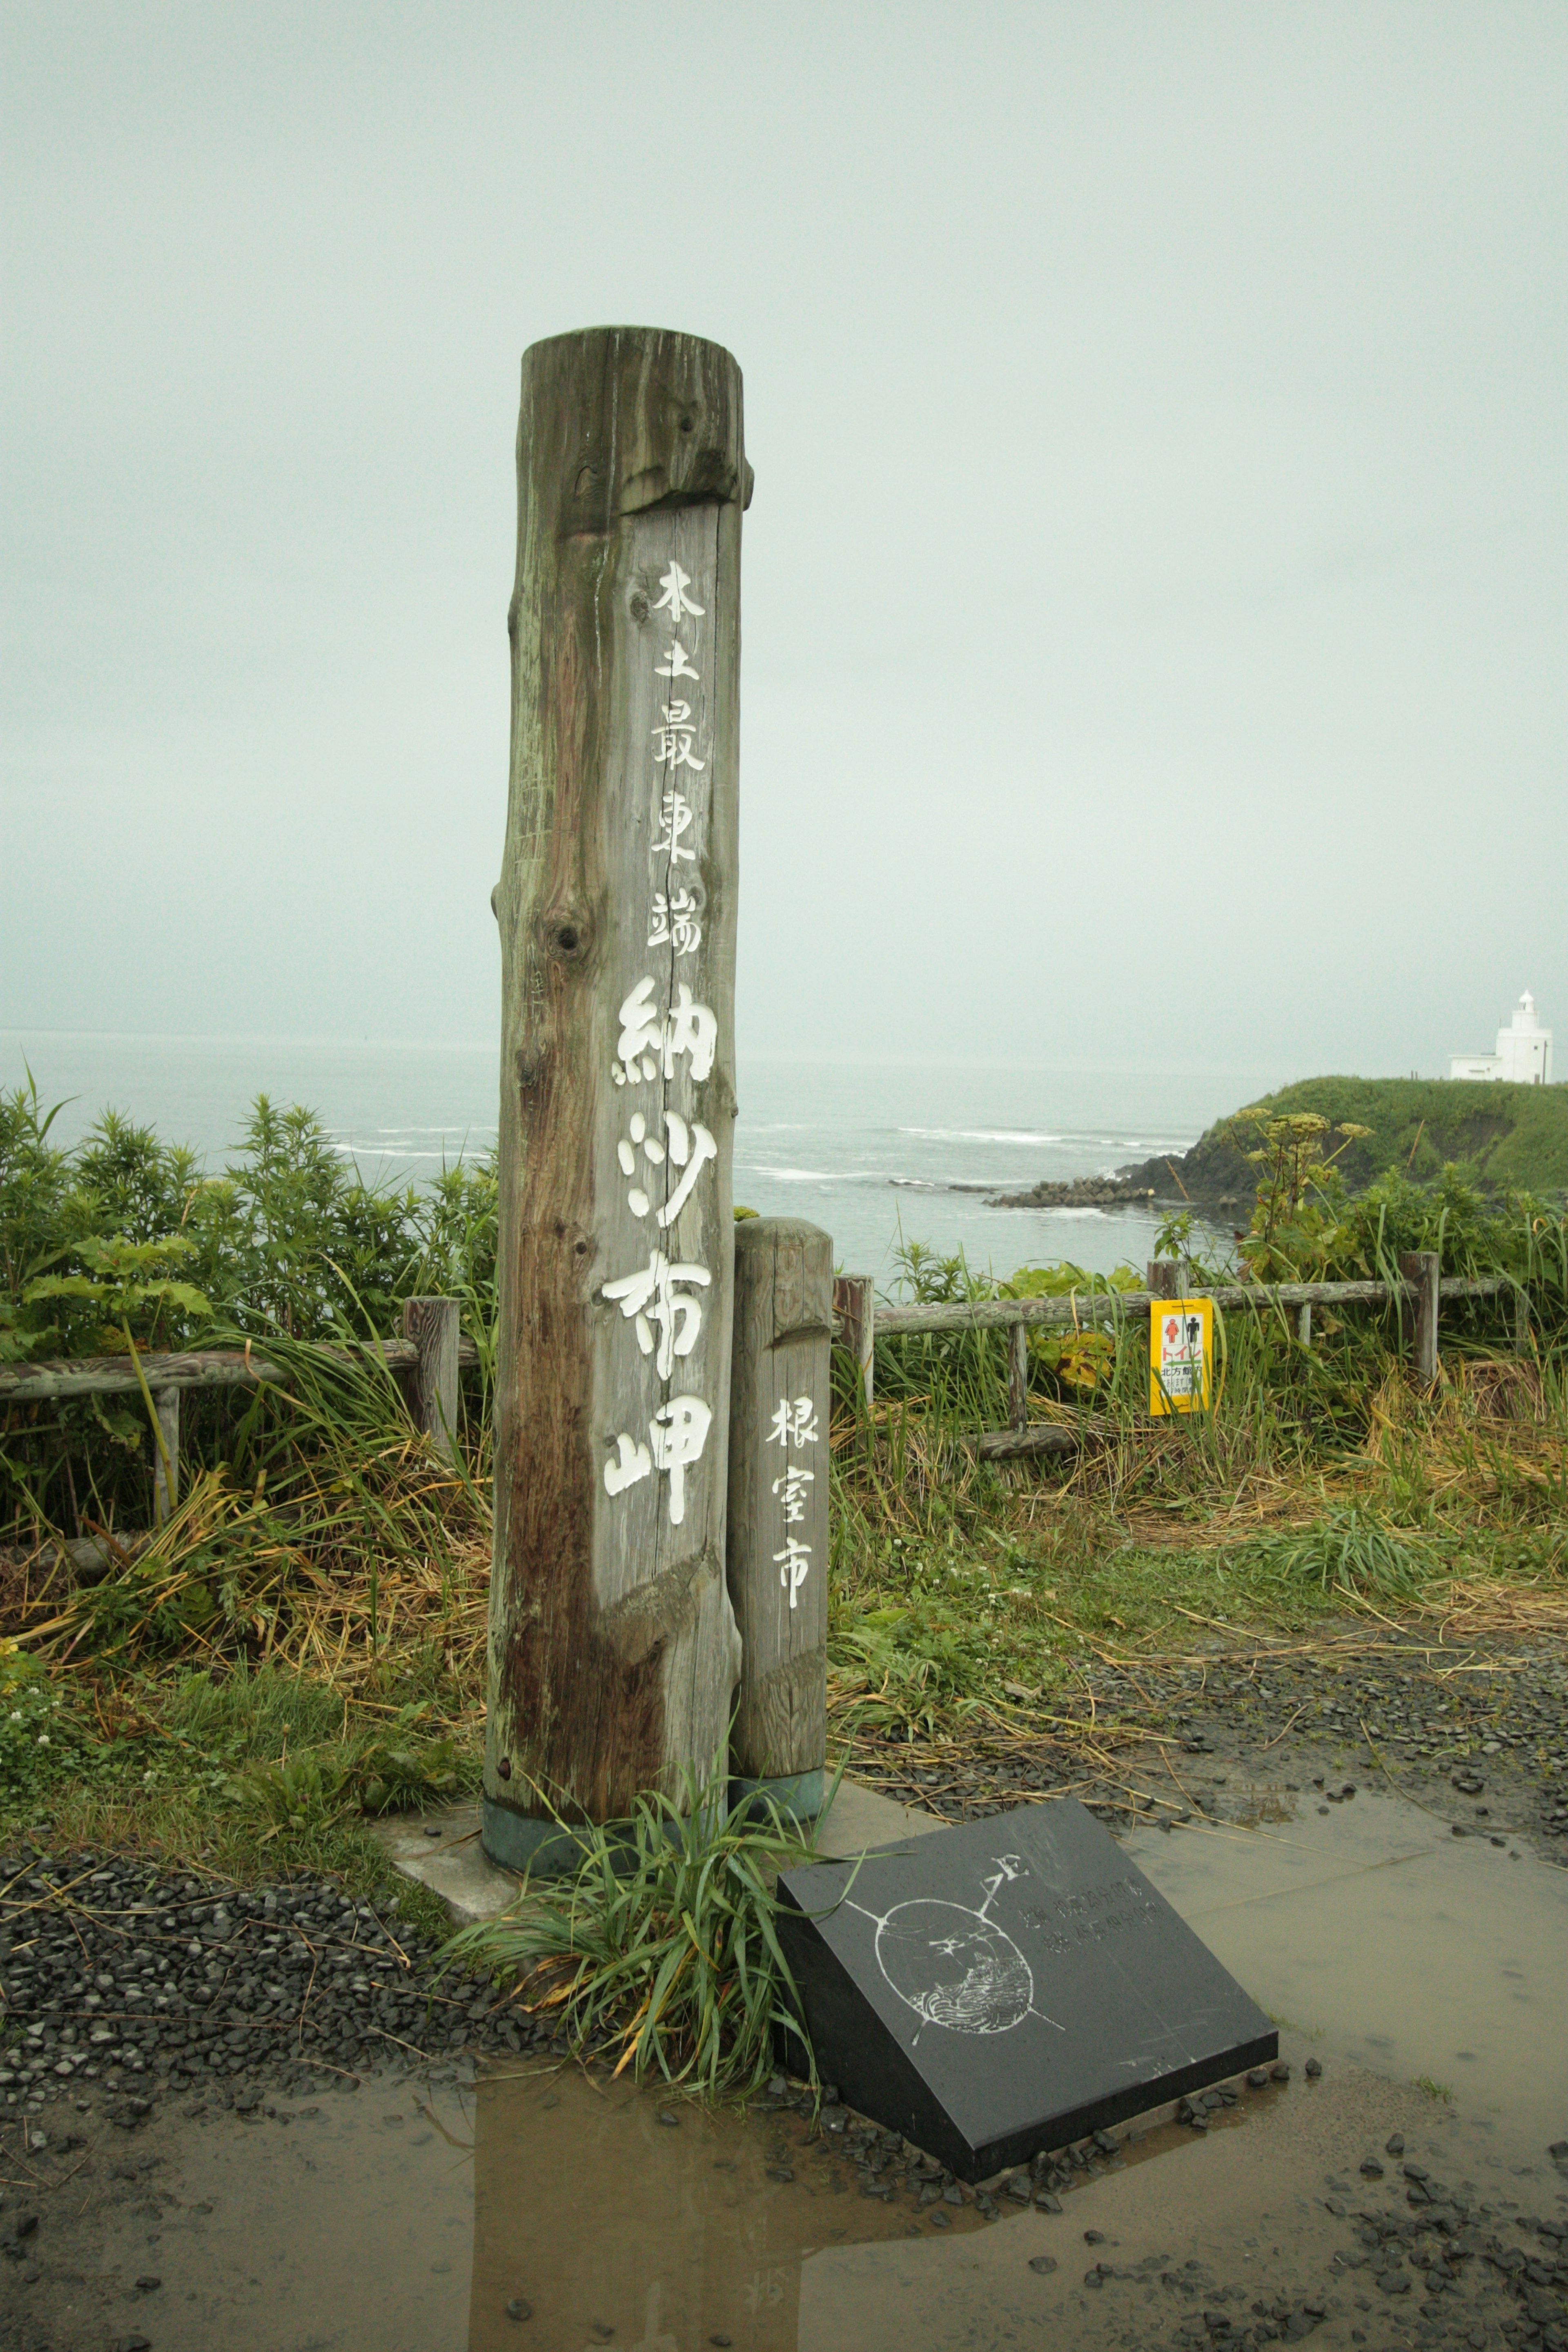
{"x": 638, "y": 606}
{"x": 567, "y": 938}
{"x": 505, "y": 1767}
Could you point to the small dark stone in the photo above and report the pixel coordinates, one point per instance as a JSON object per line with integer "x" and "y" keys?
{"x": 1257, "y": 2079}
{"x": 1279, "y": 2071}
{"x": 1395, "y": 2144}
{"x": 1313, "y": 2069}
{"x": 1043, "y": 2264}
{"x": 1046, "y": 2203}
{"x": 672, "y": 2122}
{"x": 148, "y": 2280}
{"x": 517, "y": 2308}
{"x": 781, "y": 2172}
{"x": 722, "y": 2340}
{"x": 1094, "y": 2237}
{"x": 1371, "y": 2167}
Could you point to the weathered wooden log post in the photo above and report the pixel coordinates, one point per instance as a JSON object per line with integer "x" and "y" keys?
{"x": 778, "y": 1538}
{"x": 614, "y": 1649}
{"x": 855, "y": 1307}
{"x": 435, "y": 1327}
{"x": 1421, "y": 1271}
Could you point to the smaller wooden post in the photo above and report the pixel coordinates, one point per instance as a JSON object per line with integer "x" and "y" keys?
{"x": 1018, "y": 1375}
{"x": 855, "y": 1310}
{"x": 1522, "y": 1320}
{"x": 433, "y": 1326}
{"x": 1165, "y": 1277}
{"x": 778, "y": 1533}
{"x": 166, "y": 1405}
{"x": 1420, "y": 1269}
{"x": 1304, "y": 1323}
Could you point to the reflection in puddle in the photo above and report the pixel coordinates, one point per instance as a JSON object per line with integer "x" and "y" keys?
{"x": 397, "y": 2221}
{"x": 1408, "y": 1949}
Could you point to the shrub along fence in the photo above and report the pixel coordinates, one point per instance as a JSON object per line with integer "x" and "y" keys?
{"x": 861, "y": 1321}
{"x": 424, "y": 1361}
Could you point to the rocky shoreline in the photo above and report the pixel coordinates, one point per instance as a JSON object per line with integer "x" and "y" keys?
{"x": 1083, "y": 1192}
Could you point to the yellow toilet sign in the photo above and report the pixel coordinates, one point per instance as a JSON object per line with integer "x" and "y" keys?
{"x": 1181, "y": 1354}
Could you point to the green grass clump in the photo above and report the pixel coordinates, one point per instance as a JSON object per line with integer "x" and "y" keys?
{"x": 658, "y": 1951}
{"x": 1350, "y": 1551}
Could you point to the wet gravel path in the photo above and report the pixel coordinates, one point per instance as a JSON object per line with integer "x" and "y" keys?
{"x": 129, "y": 1984}
{"x": 1482, "y": 1739}
{"x": 1395, "y": 2255}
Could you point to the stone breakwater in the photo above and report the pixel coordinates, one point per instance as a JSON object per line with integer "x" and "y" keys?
{"x": 1082, "y": 1193}
{"x": 135, "y": 1981}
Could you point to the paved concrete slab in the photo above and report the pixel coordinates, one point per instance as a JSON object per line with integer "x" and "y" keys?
{"x": 858, "y": 1818}
{"x": 442, "y": 1850}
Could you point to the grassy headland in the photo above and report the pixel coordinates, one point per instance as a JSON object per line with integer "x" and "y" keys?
{"x": 1497, "y": 1137}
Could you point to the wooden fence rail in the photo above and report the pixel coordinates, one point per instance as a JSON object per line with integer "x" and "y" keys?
{"x": 860, "y": 1322}
{"x": 424, "y": 1361}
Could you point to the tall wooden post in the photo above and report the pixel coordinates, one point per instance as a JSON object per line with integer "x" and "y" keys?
{"x": 778, "y": 1533}
{"x": 614, "y": 1649}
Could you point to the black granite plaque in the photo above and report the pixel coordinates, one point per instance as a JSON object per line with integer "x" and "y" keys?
{"x": 1006, "y": 1987}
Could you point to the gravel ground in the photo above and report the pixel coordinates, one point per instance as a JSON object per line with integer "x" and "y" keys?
{"x": 1480, "y": 1739}
{"x": 127, "y": 1984}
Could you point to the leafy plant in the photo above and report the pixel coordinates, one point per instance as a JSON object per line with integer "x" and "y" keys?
{"x": 659, "y": 1948}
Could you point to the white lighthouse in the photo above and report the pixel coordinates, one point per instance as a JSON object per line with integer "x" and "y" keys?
{"x": 1523, "y": 1057}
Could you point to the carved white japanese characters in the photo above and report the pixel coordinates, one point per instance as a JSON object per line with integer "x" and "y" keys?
{"x": 791, "y": 1564}
{"x": 689, "y": 1148}
{"x": 675, "y": 600}
{"x": 664, "y": 1150}
{"x": 653, "y": 1296}
{"x": 678, "y": 664}
{"x": 792, "y": 1487}
{"x": 677, "y": 1435}
{"x": 679, "y": 1432}
{"x": 675, "y": 814}
{"x": 794, "y": 1424}
{"x": 650, "y": 1040}
{"x": 674, "y": 740}
{"x": 676, "y": 922}
{"x": 632, "y": 1462}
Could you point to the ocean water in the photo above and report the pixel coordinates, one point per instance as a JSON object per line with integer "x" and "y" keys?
{"x": 878, "y": 1154}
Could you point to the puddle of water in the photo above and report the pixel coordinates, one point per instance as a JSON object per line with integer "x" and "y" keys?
{"x": 388, "y": 2221}
{"x": 1407, "y": 1950}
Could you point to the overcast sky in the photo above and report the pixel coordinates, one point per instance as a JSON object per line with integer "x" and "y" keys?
{"x": 1154, "y": 591}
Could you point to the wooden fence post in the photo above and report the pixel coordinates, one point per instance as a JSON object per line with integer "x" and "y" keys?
{"x": 166, "y": 1405}
{"x": 1018, "y": 1376}
{"x": 855, "y": 1309}
{"x": 614, "y": 1649}
{"x": 778, "y": 1536}
{"x": 434, "y": 1326}
{"x": 1420, "y": 1269}
{"x": 1164, "y": 1277}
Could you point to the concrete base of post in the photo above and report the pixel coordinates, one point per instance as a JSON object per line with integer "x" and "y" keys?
{"x": 529, "y": 1841}
{"x": 800, "y": 1795}
{"x": 546, "y": 1848}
